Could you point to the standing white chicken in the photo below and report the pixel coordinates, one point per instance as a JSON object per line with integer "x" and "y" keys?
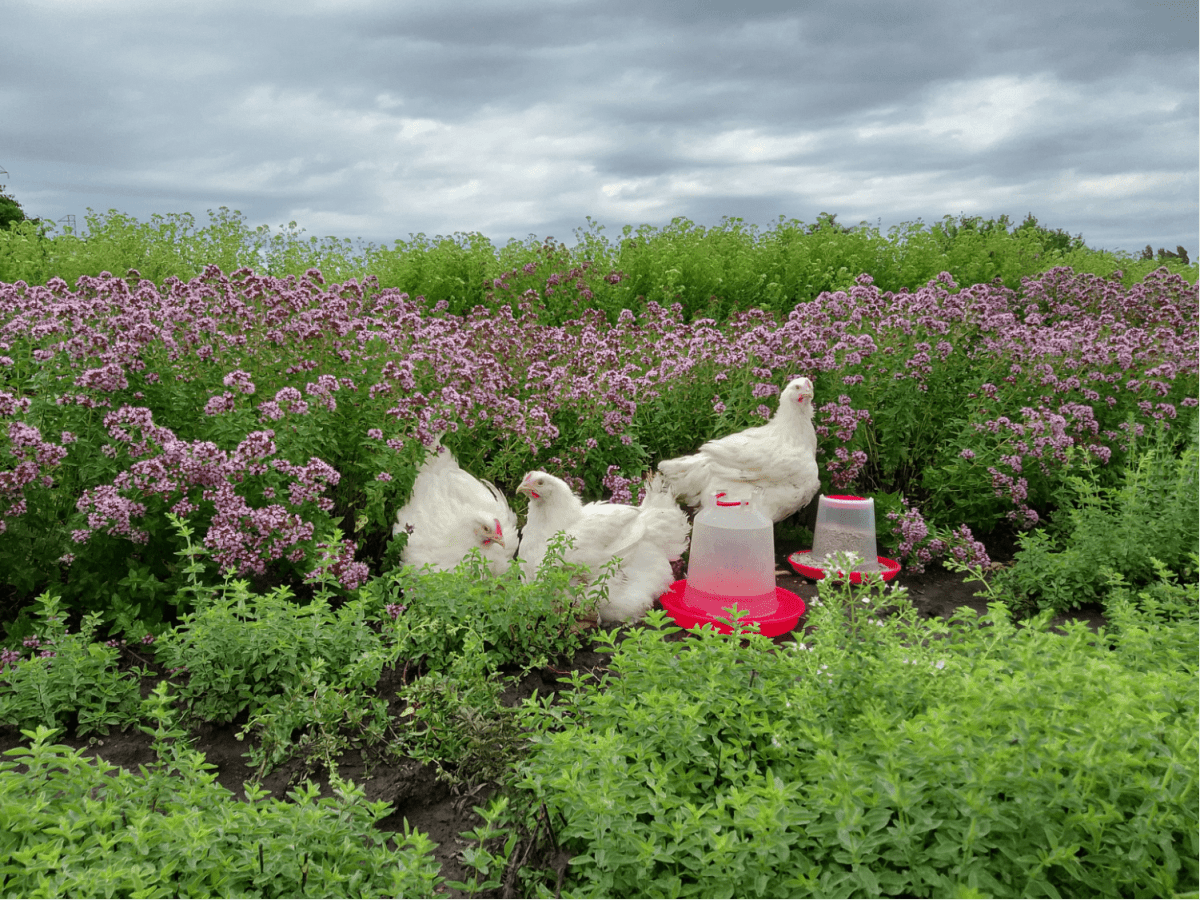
{"x": 644, "y": 538}
{"x": 450, "y": 512}
{"x": 779, "y": 457}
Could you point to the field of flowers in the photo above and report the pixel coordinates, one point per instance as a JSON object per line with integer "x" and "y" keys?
{"x": 270, "y": 412}
{"x": 207, "y": 469}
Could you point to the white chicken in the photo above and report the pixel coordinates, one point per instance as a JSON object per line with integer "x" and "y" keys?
{"x": 450, "y": 512}
{"x": 780, "y": 458}
{"x": 644, "y": 538}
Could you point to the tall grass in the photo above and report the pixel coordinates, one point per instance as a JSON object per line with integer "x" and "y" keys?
{"x": 711, "y": 271}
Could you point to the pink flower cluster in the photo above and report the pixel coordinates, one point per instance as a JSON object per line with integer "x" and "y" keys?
{"x": 620, "y": 488}
{"x": 843, "y": 420}
{"x": 845, "y": 467}
{"x": 919, "y": 544}
{"x": 239, "y": 536}
{"x": 967, "y": 550}
{"x": 915, "y": 549}
{"x": 240, "y": 381}
{"x": 34, "y": 457}
{"x": 517, "y": 283}
{"x": 10, "y": 659}
{"x": 337, "y": 564}
{"x": 1067, "y": 361}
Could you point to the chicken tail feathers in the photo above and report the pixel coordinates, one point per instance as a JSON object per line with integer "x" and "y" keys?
{"x": 495, "y": 492}
{"x": 659, "y": 493}
{"x": 668, "y": 530}
{"x": 687, "y": 477}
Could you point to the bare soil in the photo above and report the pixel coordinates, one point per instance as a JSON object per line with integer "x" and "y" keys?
{"x": 416, "y": 795}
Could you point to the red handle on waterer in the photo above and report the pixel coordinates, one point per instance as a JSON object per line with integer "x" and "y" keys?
{"x": 721, "y": 502}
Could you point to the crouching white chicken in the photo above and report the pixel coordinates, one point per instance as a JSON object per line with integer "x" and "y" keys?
{"x": 450, "y": 512}
{"x": 780, "y": 458}
{"x": 644, "y": 538}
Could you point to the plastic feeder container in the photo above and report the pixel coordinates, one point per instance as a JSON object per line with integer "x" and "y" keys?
{"x": 845, "y": 524}
{"x": 801, "y": 561}
{"x": 784, "y": 614}
{"x": 732, "y": 555}
{"x": 732, "y": 560}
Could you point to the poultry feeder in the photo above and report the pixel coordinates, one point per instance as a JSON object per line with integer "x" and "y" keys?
{"x": 732, "y": 560}
{"x": 845, "y": 524}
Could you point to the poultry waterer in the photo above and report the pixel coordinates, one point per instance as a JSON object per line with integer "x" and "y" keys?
{"x": 845, "y": 524}
{"x": 732, "y": 560}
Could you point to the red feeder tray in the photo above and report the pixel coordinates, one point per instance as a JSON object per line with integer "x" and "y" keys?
{"x": 890, "y": 568}
{"x": 775, "y": 619}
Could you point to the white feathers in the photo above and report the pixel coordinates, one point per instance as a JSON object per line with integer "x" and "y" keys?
{"x": 644, "y": 538}
{"x": 779, "y": 457}
{"x": 450, "y": 512}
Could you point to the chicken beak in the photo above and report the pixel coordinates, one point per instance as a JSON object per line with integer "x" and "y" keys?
{"x": 526, "y": 488}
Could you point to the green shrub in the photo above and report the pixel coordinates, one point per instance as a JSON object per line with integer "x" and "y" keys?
{"x": 1155, "y": 626}
{"x": 454, "y": 719}
{"x": 712, "y": 271}
{"x": 1153, "y": 514}
{"x": 67, "y": 680}
{"x": 451, "y": 269}
{"x": 518, "y": 624}
{"x": 892, "y": 756}
{"x": 239, "y": 648}
{"x": 462, "y": 634}
{"x": 76, "y": 827}
{"x": 318, "y": 717}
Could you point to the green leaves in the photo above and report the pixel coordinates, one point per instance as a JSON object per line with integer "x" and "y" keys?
{"x": 1149, "y": 518}
{"x": 78, "y": 827}
{"x": 515, "y": 623}
{"x": 887, "y": 756}
{"x": 67, "y": 679}
{"x": 293, "y": 667}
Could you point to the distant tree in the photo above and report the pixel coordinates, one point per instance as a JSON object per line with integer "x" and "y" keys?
{"x": 1163, "y": 255}
{"x": 1179, "y": 254}
{"x": 828, "y": 222}
{"x": 10, "y": 209}
{"x": 1050, "y": 240}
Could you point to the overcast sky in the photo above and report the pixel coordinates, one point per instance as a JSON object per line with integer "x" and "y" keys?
{"x": 378, "y": 119}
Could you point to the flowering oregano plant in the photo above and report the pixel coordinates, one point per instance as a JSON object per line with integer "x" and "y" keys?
{"x": 269, "y": 410}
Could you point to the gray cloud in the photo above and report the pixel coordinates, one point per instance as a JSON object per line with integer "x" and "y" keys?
{"x": 509, "y": 118}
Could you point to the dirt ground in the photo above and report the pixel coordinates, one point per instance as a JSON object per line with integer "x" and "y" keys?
{"x": 412, "y": 788}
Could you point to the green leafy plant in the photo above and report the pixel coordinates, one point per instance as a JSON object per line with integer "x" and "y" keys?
{"x": 515, "y": 623}
{"x": 81, "y": 827}
{"x": 240, "y": 648}
{"x": 467, "y": 637}
{"x": 319, "y": 717}
{"x": 68, "y": 680}
{"x": 1152, "y": 514}
{"x": 1156, "y": 625}
{"x": 455, "y": 720}
{"x": 886, "y": 755}
{"x": 484, "y": 862}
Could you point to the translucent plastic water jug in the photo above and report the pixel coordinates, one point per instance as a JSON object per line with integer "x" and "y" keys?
{"x": 732, "y": 558}
{"x": 846, "y": 524}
